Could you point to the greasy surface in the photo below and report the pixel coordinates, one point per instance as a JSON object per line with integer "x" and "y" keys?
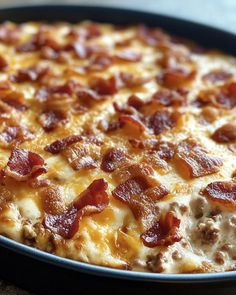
{"x": 112, "y": 237}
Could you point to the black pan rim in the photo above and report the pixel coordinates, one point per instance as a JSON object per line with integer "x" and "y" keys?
{"x": 18, "y": 13}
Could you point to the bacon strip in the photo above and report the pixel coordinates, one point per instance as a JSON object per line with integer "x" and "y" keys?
{"x": 195, "y": 160}
{"x": 163, "y": 233}
{"x": 222, "y": 192}
{"x": 92, "y": 201}
{"x": 23, "y": 165}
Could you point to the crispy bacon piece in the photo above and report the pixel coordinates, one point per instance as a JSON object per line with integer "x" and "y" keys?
{"x": 223, "y": 97}
{"x": 176, "y": 77}
{"x": 161, "y": 121}
{"x": 195, "y": 161}
{"x": 15, "y": 134}
{"x": 226, "y": 133}
{"x": 129, "y": 80}
{"x": 9, "y": 34}
{"x": 141, "y": 196}
{"x": 104, "y": 86}
{"x": 135, "y": 102}
{"x": 112, "y": 159}
{"x": 3, "y": 63}
{"x": 164, "y": 232}
{"x": 61, "y": 144}
{"x": 23, "y": 165}
{"x": 43, "y": 38}
{"x": 167, "y": 97}
{"x": 172, "y": 58}
{"x": 107, "y": 127}
{"x": 5, "y": 86}
{"x": 82, "y": 156}
{"x": 132, "y": 122}
{"x": 128, "y": 55}
{"x": 92, "y": 201}
{"x": 68, "y": 88}
{"x": 152, "y": 36}
{"x": 31, "y": 74}
{"x": 15, "y": 100}
{"x": 217, "y": 75}
{"x": 92, "y": 30}
{"x": 164, "y": 149}
{"x": 100, "y": 62}
{"x": 52, "y": 119}
{"x": 88, "y": 96}
{"x": 222, "y": 192}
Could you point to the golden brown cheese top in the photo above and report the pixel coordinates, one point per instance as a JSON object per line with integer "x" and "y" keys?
{"x": 118, "y": 146}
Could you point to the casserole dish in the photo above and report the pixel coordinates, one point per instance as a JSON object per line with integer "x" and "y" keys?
{"x": 205, "y": 36}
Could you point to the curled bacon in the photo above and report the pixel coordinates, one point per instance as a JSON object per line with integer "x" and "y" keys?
{"x": 112, "y": 159}
{"x": 195, "y": 160}
{"x": 163, "y": 233}
{"x": 226, "y": 133}
{"x": 92, "y": 201}
{"x": 223, "y": 192}
{"x": 24, "y": 164}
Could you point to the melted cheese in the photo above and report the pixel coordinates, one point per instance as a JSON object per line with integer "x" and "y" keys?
{"x": 101, "y": 238}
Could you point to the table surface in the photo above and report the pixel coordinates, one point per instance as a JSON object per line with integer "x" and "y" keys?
{"x": 218, "y": 13}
